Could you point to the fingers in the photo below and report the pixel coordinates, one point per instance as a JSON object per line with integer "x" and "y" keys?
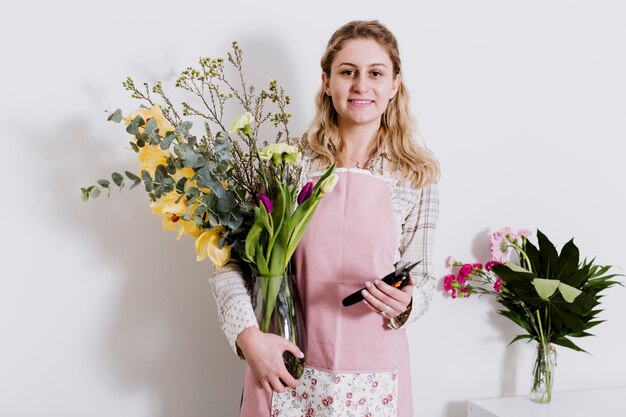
{"x": 383, "y": 298}
{"x": 294, "y": 349}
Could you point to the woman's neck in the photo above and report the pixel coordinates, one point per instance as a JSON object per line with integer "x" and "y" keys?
{"x": 357, "y": 141}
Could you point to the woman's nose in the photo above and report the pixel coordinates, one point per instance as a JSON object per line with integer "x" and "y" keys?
{"x": 360, "y": 84}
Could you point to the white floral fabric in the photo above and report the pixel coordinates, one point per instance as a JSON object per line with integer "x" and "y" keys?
{"x": 330, "y": 394}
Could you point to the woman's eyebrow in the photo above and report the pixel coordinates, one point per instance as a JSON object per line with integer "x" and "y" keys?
{"x": 376, "y": 64}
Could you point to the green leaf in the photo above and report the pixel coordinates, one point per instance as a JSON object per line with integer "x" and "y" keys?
{"x": 223, "y": 146}
{"x": 84, "y": 195}
{"x": 533, "y": 254}
{"x": 94, "y": 192}
{"x": 132, "y": 176}
{"x": 167, "y": 140}
{"x": 184, "y": 128}
{"x": 186, "y": 154}
{"x": 563, "y": 341}
{"x": 207, "y": 180}
{"x": 516, "y": 267}
{"x": 116, "y": 116}
{"x": 545, "y": 287}
{"x": 569, "y": 293}
{"x": 151, "y": 126}
{"x": 180, "y": 185}
{"x": 147, "y": 180}
{"x": 548, "y": 256}
{"x": 134, "y": 125}
{"x": 135, "y": 179}
{"x": 520, "y": 337}
{"x": 227, "y": 202}
{"x": 568, "y": 262}
{"x": 117, "y": 179}
{"x": 104, "y": 183}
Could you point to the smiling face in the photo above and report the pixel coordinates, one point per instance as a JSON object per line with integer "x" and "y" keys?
{"x": 361, "y": 83}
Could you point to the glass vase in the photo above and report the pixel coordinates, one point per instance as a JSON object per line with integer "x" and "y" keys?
{"x": 543, "y": 373}
{"x": 279, "y": 311}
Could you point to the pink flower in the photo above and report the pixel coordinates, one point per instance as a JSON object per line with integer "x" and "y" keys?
{"x": 497, "y": 285}
{"x": 505, "y": 231}
{"x": 477, "y": 265}
{"x": 500, "y": 248}
{"x": 266, "y": 201}
{"x": 453, "y": 293}
{"x": 524, "y": 233}
{"x": 464, "y": 272}
{"x": 489, "y": 264}
{"x": 447, "y": 282}
{"x": 465, "y": 292}
{"x": 450, "y": 262}
{"x": 305, "y": 193}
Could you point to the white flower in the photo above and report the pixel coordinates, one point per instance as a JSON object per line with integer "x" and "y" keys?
{"x": 280, "y": 152}
{"x": 242, "y": 123}
{"x": 329, "y": 183}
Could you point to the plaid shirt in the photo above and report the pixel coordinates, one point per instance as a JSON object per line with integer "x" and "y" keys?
{"x": 416, "y": 212}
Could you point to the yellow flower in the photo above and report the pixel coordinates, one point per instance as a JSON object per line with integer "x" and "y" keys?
{"x": 171, "y": 214}
{"x": 167, "y": 205}
{"x": 189, "y": 228}
{"x": 183, "y": 172}
{"x": 207, "y": 245}
{"x": 154, "y": 113}
{"x": 151, "y": 156}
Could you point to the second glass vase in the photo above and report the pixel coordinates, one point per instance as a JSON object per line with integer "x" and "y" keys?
{"x": 543, "y": 373}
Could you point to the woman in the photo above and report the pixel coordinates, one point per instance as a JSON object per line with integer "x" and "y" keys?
{"x": 381, "y": 214}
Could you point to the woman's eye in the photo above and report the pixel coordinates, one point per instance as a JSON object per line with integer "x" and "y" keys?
{"x": 376, "y": 74}
{"x": 349, "y": 73}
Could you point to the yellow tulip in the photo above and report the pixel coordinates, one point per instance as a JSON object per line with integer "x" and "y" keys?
{"x": 151, "y": 156}
{"x": 154, "y": 113}
{"x": 207, "y": 245}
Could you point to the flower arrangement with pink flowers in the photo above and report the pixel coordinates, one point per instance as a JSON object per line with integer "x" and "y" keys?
{"x": 552, "y": 296}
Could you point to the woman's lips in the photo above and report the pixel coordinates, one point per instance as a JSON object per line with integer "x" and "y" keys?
{"x": 360, "y": 103}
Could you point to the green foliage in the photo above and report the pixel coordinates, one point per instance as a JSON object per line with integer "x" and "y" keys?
{"x": 227, "y": 172}
{"x": 553, "y": 296}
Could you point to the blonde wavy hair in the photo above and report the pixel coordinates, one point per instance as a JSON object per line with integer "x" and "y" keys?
{"x": 415, "y": 163}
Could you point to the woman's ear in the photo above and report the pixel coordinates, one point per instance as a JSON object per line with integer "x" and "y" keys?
{"x": 325, "y": 84}
{"x": 395, "y": 86}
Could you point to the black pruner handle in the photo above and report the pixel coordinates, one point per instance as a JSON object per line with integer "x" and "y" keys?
{"x": 397, "y": 281}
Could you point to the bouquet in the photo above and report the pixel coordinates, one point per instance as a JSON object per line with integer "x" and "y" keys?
{"x": 552, "y": 296}
{"x": 241, "y": 204}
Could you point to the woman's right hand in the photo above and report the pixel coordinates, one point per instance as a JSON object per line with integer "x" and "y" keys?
{"x": 264, "y": 354}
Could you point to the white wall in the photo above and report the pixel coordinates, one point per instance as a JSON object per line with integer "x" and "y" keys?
{"x": 103, "y": 314}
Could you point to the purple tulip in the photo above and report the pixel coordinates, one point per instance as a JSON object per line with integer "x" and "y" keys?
{"x": 266, "y": 202}
{"x": 305, "y": 193}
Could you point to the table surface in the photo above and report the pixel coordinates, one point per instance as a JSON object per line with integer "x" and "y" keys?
{"x": 608, "y": 402}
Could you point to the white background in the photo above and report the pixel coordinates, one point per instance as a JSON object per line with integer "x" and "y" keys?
{"x": 103, "y": 314}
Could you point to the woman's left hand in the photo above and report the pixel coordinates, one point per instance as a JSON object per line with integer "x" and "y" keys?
{"x": 386, "y": 300}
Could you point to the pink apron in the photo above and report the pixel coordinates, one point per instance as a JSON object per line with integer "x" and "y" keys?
{"x": 350, "y": 239}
